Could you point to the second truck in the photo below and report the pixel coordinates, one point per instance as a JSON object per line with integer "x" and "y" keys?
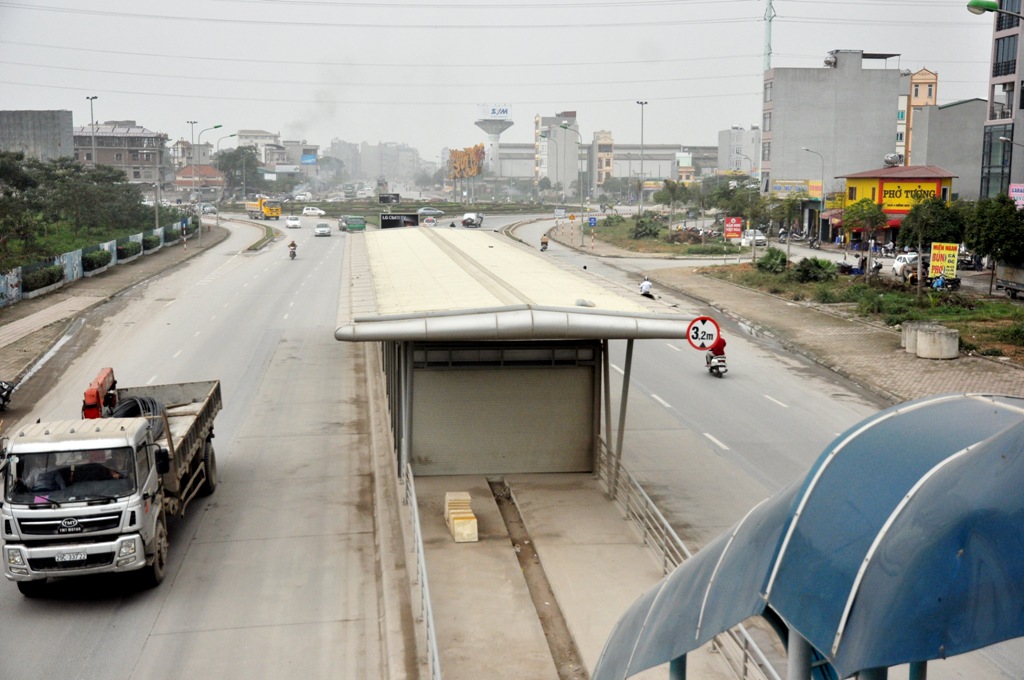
{"x": 263, "y": 209}
{"x": 94, "y": 495}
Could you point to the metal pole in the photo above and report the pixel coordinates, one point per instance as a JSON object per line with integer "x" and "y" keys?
{"x": 199, "y": 217}
{"x": 640, "y": 204}
{"x": 622, "y": 415}
{"x": 92, "y": 122}
{"x": 798, "y": 657}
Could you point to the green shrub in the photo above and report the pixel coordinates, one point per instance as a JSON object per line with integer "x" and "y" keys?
{"x": 128, "y": 249}
{"x": 613, "y": 220}
{"x": 773, "y": 261}
{"x": 172, "y": 235}
{"x": 646, "y": 227}
{"x": 815, "y": 269}
{"x": 96, "y": 259}
{"x": 1013, "y": 334}
{"x": 41, "y": 278}
{"x": 826, "y": 294}
{"x": 150, "y": 242}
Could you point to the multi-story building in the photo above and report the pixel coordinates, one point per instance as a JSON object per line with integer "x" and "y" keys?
{"x": 136, "y": 151}
{"x": 259, "y": 139}
{"x": 998, "y": 166}
{"x": 44, "y": 135}
{"x": 348, "y": 154}
{"x": 302, "y": 154}
{"x": 183, "y": 153}
{"x": 739, "y": 150}
{"x": 947, "y": 136}
{"x": 924, "y": 91}
{"x": 819, "y": 124}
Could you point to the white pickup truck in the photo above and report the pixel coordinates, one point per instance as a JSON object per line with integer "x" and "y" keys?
{"x": 94, "y": 495}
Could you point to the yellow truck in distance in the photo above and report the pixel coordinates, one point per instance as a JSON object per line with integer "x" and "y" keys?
{"x": 263, "y": 209}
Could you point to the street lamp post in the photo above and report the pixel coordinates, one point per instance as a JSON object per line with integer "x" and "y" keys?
{"x": 640, "y": 204}
{"x": 546, "y": 134}
{"x": 983, "y": 6}
{"x": 219, "y": 202}
{"x": 199, "y": 216}
{"x": 92, "y": 122}
{"x": 579, "y": 175}
{"x": 821, "y": 205}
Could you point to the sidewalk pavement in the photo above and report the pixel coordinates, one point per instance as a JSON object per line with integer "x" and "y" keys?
{"x": 30, "y": 328}
{"x": 865, "y": 352}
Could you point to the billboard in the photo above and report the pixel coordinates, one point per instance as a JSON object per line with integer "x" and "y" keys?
{"x": 1017, "y": 194}
{"x": 493, "y": 112}
{"x": 308, "y": 159}
{"x": 943, "y": 259}
{"x": 902, "y": 196}
{"x": 733, "y": 227}
{"x": 393, "y": 220}
{"x": 389, "y": 198}
{"x": 286, "y": 169}
{"x": 786, "y": 187}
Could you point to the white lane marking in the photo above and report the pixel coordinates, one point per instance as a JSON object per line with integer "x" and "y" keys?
{"x": 776, "y": 401}
{"x": 661, "y": 401}
{"x": 716, "y": 441}
{"x": 617, "y": 369}
{"x": 197, "y": 334}
{"x": 285, "y": 317}
{"x": 150, "y": 381}
{"x": 213, "y": 317}
{"x": 177, "y": 354}
{"x": 169, "y": 304}
{"x": 671, "y": 346}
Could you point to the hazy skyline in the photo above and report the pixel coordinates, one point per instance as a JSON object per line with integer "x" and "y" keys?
{"x": 415, "y": 72}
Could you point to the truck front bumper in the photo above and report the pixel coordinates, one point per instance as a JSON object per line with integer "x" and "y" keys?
{"x": 31, "y": 563}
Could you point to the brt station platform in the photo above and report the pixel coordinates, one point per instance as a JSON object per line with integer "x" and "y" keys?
{"x": 494, "y": 369}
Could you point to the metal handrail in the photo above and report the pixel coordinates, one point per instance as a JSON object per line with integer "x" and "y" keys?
{"x": 744, "y": 657}
{"x": 426, "y": 611}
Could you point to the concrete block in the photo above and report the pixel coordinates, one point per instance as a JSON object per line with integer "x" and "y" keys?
{"x": 936, "y": 342}
{"x": 909, "y": 334}
{"x": 463, "y": 527}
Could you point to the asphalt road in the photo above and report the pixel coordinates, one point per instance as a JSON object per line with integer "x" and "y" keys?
{"x": 273, "y": 576}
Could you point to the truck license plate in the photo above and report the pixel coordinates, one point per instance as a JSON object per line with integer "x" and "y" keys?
{"x": 71, "y": 557}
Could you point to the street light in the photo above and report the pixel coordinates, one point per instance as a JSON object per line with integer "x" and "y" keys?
{"x": 640, "y": 204}
{"x": 199, "y": 217}
{"x": 92, "y": 121}
{"x": 579, "y": 175}
{"x": 220, "y": 201}
{"x": 983, "y": 6}
{"x": 821, "y": 205}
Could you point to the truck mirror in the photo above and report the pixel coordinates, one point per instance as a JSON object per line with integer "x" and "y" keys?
{"x": 163, "y": 461}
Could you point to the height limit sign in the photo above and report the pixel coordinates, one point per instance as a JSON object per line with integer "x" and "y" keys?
{"x": 702, "y": 332}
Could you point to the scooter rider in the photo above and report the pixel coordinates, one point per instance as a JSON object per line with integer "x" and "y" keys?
{"x": 717, "y": 349}
{"x": 544, "y": 242}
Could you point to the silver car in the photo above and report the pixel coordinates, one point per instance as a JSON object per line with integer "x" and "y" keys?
{"x": 322, "y": 229}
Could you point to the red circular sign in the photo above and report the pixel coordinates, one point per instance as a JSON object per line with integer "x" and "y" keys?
{"x": 703, "y": 332}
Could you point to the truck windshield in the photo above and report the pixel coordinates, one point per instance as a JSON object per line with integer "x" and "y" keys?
{"x": 272, "y": 204}
{"x": 69, "y": 476}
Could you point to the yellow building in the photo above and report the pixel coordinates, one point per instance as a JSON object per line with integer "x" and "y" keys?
{"x": 897, "y": 189}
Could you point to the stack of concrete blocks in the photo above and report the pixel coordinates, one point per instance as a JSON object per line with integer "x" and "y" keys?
{"x": 927, "y": 340}
{"x": 459, "y": 517}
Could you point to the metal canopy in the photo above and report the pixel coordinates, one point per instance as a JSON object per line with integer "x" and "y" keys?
{"x": 423, "y": 284}
{"x": 902, "y": 544}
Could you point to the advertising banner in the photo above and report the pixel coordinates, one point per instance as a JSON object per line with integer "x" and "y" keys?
{"x": 393, "y": 220}
{"x": 943, "y": 259}
{"x": 493, "y": 112}
{"x": 785, "y": 187}
{"x": 733, "y": 227}
{"x": 902, "y": 196}
{"x": 308, "y": 159}
{"x": 1017, "y": 194}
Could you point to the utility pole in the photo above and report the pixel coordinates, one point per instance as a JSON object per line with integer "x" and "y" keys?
{"x": 640, "y": 204}
{"x": 92, "y": 121}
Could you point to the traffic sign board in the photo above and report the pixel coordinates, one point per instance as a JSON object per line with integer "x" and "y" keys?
{"x": 593, "y": 221}
{"x": 702, "y": 332}
{"x": 572, "y": 217}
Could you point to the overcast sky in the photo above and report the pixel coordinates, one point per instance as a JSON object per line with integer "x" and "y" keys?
{"x": 415, "y": 71}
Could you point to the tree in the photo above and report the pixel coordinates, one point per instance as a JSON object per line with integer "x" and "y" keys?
{"x": 239, "y": 167}
{"x": 931, "y": 220}
{"x": 867, "y": 216}
{"x": 995, "y": 229}
{"x": 670, "y": 194}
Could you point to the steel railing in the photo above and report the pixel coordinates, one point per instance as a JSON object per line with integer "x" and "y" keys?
{"x": 740, "y": 651}
{"x": 426, "y": 614}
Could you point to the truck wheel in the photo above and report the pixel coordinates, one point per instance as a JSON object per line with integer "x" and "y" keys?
{"x": 210, "y": 470}
{"x": 32, "y": 588}
{"x": 154, "y": 573}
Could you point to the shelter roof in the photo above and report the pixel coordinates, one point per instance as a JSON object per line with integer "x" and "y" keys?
{"x": 419, "y": 283}
{"x": 909, "y": 172}
{"x": 901, "y": 544}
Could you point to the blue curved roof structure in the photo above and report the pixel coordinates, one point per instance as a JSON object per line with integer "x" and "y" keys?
{"x": 903, "y": 543}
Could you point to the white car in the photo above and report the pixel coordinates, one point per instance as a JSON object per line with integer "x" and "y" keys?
{"x": 755, "y": 235}
{"x": 322, "y": 229}
{"x": 313, "y": 211}
{"x": 293, "y": 222}
{"x": 902, "y": 262}
{"x": 428, "y": 222}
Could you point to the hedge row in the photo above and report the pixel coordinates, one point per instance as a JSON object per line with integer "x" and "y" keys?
{"x": 41, "y": 278}
{"x": 96, "y": 259}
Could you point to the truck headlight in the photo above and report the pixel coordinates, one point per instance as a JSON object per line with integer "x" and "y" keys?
{"x": 127, "y": 549}
{"x": 14, "y": 557}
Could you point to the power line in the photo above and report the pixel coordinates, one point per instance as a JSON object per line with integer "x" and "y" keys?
{"x": 420, "y": 64}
